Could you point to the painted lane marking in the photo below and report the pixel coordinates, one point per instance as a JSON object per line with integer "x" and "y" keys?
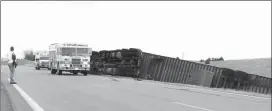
{"x": 192, "y": 106}
{"x": 229, "y": 93}
{"x": 28, "y": 99}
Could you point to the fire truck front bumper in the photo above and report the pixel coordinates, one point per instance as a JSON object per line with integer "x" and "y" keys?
{"x": 74, "y": 67}
{"x": 44, "y": 66}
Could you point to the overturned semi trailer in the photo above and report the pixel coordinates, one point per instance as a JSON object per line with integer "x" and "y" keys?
{"x": 175, "y": 70}
{"x": 135, "y": 63}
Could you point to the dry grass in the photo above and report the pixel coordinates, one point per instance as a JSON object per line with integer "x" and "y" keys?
{"x": 260, "y": 67}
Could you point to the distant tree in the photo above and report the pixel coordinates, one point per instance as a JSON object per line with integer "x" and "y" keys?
{"x": 213, "y": 59}
{"x": 208, "y": 61}
{"x": 221, "y": 59}
{"x": 29, "y": 55}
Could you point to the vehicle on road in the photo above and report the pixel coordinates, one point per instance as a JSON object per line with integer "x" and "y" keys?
{"x": 69, "y": 57}
{"x": 124, "y": 62}
{"x": 41, "y": 60}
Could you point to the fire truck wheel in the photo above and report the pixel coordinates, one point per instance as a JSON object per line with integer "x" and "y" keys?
{"x": 75, "y": 73}
{"x": 59, "y": 72}
{"x": 53, "y": 71}
{"x": 84, "y": 73}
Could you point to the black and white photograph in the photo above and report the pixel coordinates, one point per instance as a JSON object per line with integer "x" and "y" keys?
{"x": 135, "y": 55}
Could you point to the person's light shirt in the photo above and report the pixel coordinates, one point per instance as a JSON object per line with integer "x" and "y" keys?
{"x": 10, "y": 57}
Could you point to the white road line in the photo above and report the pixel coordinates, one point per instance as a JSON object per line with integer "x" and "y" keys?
{"x": 28, "y": 99}
{"x": 258, "y": 97}
{"x": 192, "y": 106}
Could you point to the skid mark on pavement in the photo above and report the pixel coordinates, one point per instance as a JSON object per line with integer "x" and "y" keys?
{"x": 28, "y": 99}
{"x": 192, "y": 106}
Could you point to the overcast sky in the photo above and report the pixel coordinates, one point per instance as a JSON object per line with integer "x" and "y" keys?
{"x": 234, "y": 30}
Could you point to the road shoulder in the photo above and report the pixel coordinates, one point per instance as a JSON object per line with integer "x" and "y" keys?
{"x": 6, "y": 104}
{"x": 17, "y": 101}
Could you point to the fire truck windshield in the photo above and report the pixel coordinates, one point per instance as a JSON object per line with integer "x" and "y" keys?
{"x": 68, "y": 51}
{"x": 82, "y": 51}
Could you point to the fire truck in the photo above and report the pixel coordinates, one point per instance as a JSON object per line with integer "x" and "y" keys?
{"x": 69, "y": 57}
{"x": 41, "y": 60}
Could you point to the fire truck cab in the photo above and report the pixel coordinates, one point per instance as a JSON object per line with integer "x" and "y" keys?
{"x": 69, "y": 57}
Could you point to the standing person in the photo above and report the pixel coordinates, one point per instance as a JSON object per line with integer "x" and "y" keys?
{"x": 12, "y": 64}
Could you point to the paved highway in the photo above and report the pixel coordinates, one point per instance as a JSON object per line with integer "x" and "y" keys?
{"x": 105, "y": 93}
